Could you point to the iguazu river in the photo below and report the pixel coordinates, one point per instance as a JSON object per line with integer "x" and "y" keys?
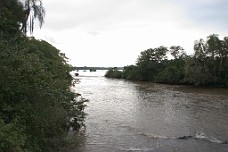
{"x": 126, "y": 116}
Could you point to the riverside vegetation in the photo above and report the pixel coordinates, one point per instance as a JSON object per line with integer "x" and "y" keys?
{"x": 37, "y": 106}
{"x": 208, "y": 66}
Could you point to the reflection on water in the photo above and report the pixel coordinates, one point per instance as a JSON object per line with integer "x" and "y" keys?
{"x": 136, "y": 116}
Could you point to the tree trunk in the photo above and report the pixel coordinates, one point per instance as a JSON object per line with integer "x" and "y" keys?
{"x": 24, "y": 22}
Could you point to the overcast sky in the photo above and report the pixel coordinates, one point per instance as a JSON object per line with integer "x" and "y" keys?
{"x": 114, "y": 32}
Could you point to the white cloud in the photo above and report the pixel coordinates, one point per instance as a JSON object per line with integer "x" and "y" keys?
{"x": 113, "y": 32}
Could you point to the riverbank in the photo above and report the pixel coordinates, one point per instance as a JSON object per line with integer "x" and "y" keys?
{"x": 207, "y": 66}
{"x": 122, "y": 75}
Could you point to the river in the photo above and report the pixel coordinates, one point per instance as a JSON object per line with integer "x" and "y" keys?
{"x": 125, "y": 116}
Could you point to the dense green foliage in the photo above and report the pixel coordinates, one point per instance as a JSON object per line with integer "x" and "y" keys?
{"x": 112, "y": 73}
{"x": 37, "y": 106}
{"x": 207, "y": 66}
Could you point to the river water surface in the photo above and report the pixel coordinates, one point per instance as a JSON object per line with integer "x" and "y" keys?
{"x": 125, "y": 116}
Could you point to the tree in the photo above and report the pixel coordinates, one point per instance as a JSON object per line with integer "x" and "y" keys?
{"x": 12, "y": 9}
{"x": 176, "y": 51}
{"x": 222, "y": 53}
{"x": 218, "y": 50}
{"x": 131, "y": 72}
{"x": 113, "y": 73}
{"x": 150, "y": 62}
{"x": 160, "y": 54}
{"x": 213, "y": 44}
{"x": 152, "y": 55}
{"x": 33, "y": 9}
{"x": 225, "y": 47}
{"x": 37, "y": 106}
{"x": 200, "y": 49}
{"x": 11, "y": 14}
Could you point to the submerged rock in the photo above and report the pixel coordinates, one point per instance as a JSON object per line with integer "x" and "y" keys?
{"x": 185, "y": 137}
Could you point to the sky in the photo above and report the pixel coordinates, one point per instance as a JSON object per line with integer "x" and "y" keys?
{"x": 112, "y": 33}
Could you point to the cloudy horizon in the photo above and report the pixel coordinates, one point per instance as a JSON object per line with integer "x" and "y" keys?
{"x": 114, "y": 32}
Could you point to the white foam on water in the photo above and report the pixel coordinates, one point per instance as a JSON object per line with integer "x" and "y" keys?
{"x": 212, "y": 139}
{"x": 200, "y": 136}
{"x": 157, "y": 136}
{"x": 138, "y": 149}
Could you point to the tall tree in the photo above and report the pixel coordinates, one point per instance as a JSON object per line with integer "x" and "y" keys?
{"x": 225, "y": 44}
{"x": 213, "y": 44}
{"x": 222, "y": 53}
{"x": 218, "y": 48}
{"x": 160, "y": 53}
{"x": 200, "y": 48}
{"x": 33, "y": 10}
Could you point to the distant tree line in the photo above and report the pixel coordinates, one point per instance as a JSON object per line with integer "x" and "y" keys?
{"x": 208, "y": 66}
{"x": 94, "y": 68}
{"x": 37, "y": 106}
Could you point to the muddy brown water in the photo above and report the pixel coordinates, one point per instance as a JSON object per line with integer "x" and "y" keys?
{"x": 125, "y": 116}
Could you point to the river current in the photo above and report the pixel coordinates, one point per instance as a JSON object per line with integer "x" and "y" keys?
{"x": 125, "y": 116}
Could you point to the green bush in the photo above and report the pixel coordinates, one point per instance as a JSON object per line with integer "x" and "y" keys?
{"x": 11, "y": 137}
{"x": 131, "y": 72}
{"x": 35, "y": 87}
{"x": 114, "y": 74}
